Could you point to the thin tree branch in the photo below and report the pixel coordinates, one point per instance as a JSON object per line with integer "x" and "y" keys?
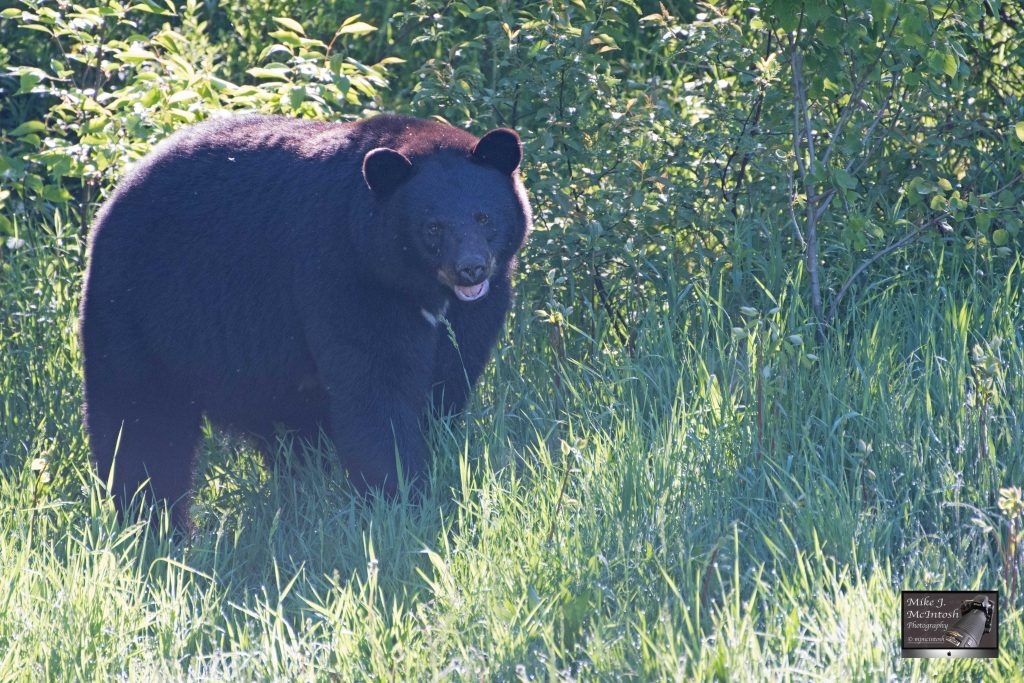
{"x": 878, "y": 117}
{"x": 854, "y": 101}
{"x": 751, "y": 123}
{"x": 825, "y": 200}
{"x": 800, "y": 107}
{"x": 898, "y": 244}
{"x": 792, "y": 211}
{"x": 618, "y": 324}
{"x": 865, "y": 143}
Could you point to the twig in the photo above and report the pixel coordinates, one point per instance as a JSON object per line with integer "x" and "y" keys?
{"x": 798, "y": 77}
{"x": 707, "y": 576}
{"x": 855, "y": 94}
{"x": 1007, "y": 186}
{"x": 751, "y": 123}
{"x": 825, "y": 200}
{"x": 98, "y": 67}
{"x": 792, "y": 212}
{"x": 869, "y": 134}
{"x": 844, "y": 118}
{"x": 558, "y": 502}
{"x": 619, "y": 326}
{"x": 898, "y": 244}
{"x": 878, "y": 117}
{"x": 800, "y": 111}
{"x": 760, "y": 399}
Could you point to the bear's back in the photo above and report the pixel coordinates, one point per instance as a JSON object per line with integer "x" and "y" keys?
{"x": 194, "y": 257}
{"x": 259, "y": 171}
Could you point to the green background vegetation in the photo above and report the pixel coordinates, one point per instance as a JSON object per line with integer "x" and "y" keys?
{"x": 764, "y": 370}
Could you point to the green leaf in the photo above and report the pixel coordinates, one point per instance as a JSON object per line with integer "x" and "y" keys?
{"x": 1019, "y": 130}
{"x": 28, "y": 127}
{"x": 1000, "y": 238}
{"x": 290, "y": 25}
{"x": 57, "y": 195}
{"x": 943, "y": 62}
{"x": 983, "y": 221}
{"x": 28, "y": 81}
{"x": 135, "y": 54}
{"x": 880, "y": 10}
{"x": 1012, "y": 224}
{"x": 357, "y": 28}
{"x": 261, "y": 72}
{"x": 152, "y": 7}
{"x": 287, "y": 37}
{"x": 926, "y": 187}
{"x": 845, "y": 180}
{"x": 182, "y": 96}
{"x": 950, "y": 64}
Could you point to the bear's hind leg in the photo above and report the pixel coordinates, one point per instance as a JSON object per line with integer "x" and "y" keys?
{"x": 298, "y": 426}
{"x": 145, "y": 439}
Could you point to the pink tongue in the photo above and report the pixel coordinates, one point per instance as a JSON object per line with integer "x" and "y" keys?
{"x": 472, "y": 293}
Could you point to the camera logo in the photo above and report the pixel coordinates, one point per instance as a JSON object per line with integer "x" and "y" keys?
{"x": 949, "y": 624}
{"x": 975, "y": 620}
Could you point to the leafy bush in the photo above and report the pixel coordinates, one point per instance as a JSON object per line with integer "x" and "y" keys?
{"x": 787, "y": 141}
{"x": 114, "y": 89}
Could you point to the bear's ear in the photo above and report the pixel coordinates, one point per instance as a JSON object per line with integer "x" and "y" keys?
{"x": 501, "y": 149}
{"x": 385, "y": 169}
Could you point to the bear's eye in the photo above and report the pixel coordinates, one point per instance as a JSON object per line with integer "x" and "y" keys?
{"x": 485, "y": 222}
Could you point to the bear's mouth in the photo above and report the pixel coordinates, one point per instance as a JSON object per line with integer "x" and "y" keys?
{"x": 472, "y": 292}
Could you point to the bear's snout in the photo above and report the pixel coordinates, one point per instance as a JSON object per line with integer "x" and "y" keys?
{"x": 472, "y": 270}
{"x": 469, "y": 277}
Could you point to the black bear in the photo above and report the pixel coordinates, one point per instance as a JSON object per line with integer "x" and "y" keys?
{"x": 272, "y": 273}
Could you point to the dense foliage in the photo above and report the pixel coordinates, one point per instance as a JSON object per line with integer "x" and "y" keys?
{"x": 767, "y": 135}
{"x": 776, "y": 262}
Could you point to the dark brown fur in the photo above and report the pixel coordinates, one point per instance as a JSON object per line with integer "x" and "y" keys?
{"x": 246, "y": 271}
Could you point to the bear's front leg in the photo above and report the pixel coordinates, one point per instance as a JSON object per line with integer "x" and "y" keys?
{"x": 477, "y": 326}
{"x": 374, "y": 420}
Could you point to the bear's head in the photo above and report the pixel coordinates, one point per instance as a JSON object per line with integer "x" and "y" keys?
{"x": 458, "y": 212}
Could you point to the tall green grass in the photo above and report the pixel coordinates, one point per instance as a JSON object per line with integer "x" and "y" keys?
{"x": 716, "y": 506}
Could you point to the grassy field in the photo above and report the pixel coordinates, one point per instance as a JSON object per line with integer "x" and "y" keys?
{"x": 716, "y": 506}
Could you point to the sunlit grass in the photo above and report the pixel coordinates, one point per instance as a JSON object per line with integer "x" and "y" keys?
{"x": 600, "y": 516}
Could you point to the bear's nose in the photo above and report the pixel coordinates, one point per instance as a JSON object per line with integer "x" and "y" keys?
{"x": 472, "y": 270}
